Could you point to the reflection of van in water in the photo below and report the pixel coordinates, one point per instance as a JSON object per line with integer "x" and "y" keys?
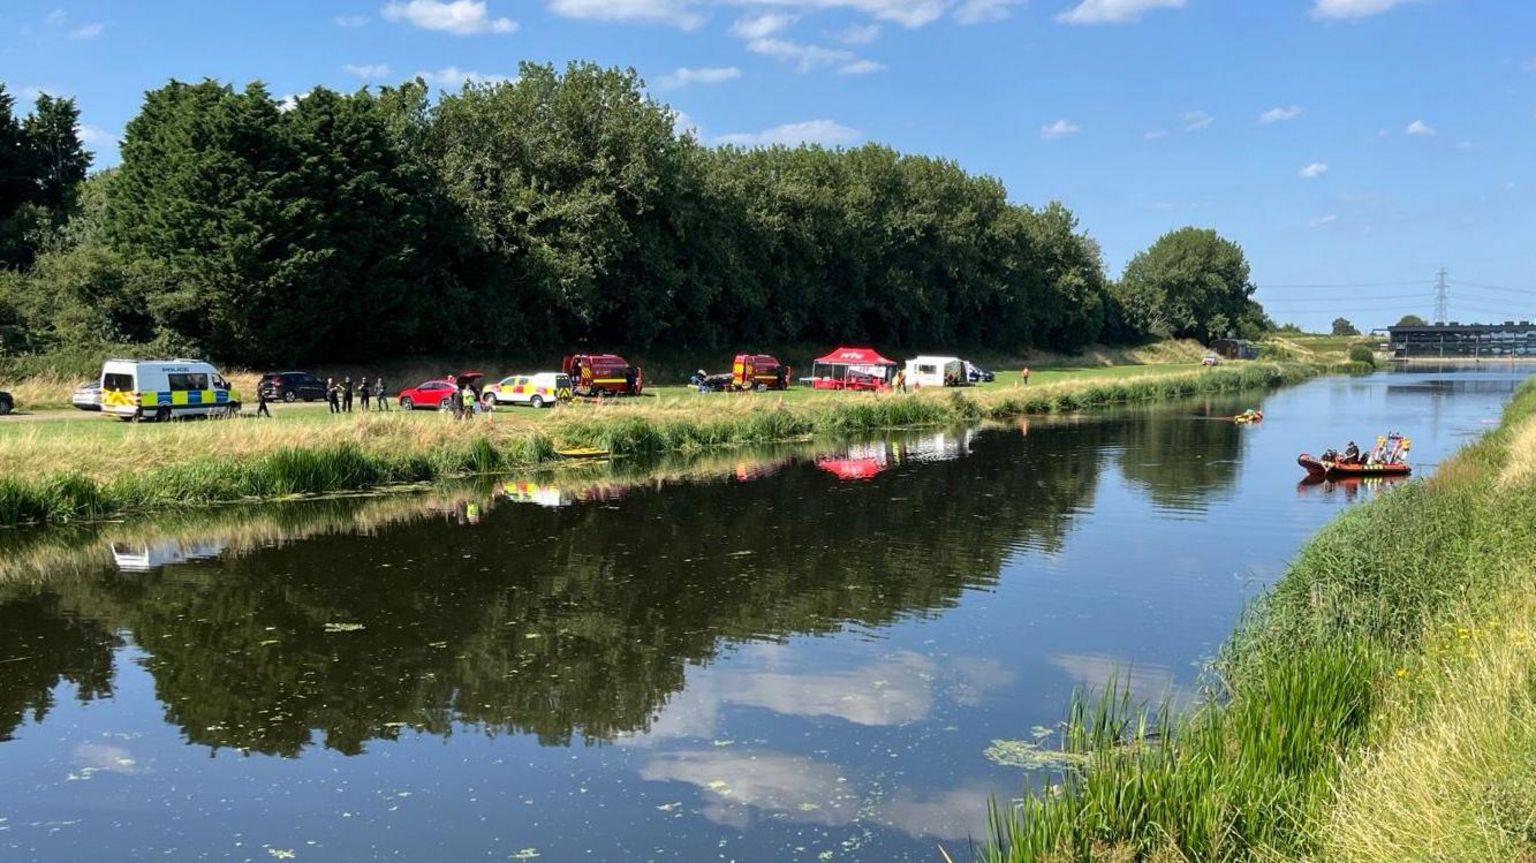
{"x": 147, "y": 556}
{"x": 162, "y": 389}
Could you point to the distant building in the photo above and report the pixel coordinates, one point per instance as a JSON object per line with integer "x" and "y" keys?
{"x": 1454, "y": 339}
{"x": 1235, "y": 349}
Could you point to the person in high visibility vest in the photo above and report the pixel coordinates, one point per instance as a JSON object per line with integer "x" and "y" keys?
{"x": 467, "y": 396}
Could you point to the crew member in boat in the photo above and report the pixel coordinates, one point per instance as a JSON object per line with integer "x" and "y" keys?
{"x": 1351, "y": 454}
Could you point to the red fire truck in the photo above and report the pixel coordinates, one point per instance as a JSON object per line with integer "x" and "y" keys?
{"x": 759, "y": 372}
{"x": 603, "y": 375}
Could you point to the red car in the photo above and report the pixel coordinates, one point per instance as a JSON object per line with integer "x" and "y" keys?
{"x": 436, "y": 394}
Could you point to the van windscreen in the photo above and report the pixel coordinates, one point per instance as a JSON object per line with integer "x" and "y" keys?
{"x": 117, "y": 382}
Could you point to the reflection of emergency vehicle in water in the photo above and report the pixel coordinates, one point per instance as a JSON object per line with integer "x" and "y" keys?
{"x": 535, "y": 493}
{"x": 747, "y": 471}
{"x": 759, "y": 372}
{"x": 148, "y": 556}
{"x": 603, "y": 374}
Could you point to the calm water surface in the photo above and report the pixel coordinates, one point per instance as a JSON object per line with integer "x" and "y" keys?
{"x": 794, "y": 655}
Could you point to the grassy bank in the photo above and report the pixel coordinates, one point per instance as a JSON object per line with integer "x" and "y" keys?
{"x": 57, "y": 472}
{"x": 1380, "y": 705}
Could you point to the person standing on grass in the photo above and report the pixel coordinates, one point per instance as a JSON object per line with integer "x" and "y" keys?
{"x": 261, "y": 403}
{"x": 380, "y": 395}
{"x": 346, "y": 395}
{"x": 470, "y": 403}
{"x": 333, "y": 395}
{"x": 1024, "y": 376}
{"x": 362, "y": 392}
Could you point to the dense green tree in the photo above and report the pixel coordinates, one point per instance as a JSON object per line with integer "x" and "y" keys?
{"x": 1412, "y": 321}
{"x": 1342, "y": 327}
{"x": 558, "y": 210}
{"x": 1191, "y": 283}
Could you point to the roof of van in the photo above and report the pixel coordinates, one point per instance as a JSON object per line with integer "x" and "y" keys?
{"x": 934, "y": 359}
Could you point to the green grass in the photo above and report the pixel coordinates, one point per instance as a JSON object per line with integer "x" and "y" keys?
{"x": 1355, "y": 694}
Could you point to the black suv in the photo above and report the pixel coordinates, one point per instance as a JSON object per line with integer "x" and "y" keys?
{"x": 7, "y": 404}
{"x": 291, "y": 386}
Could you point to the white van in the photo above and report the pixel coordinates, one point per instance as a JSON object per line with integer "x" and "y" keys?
{"x": 936, "y": 372}
{"x": 543, "y": 389}
{"x": 163, "y": 389}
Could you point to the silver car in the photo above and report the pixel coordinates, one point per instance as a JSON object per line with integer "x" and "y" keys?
{"x": 87, "y": 396}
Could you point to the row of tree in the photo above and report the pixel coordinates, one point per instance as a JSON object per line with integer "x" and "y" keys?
{"x": 558, "y": 210}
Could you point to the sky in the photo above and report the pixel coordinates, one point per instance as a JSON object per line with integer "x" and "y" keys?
{"x": 1352, "y": 147}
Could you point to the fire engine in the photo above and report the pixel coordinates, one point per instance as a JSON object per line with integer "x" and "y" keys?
{"x": 759, "y": 372}
{"x": 603, "y": 375}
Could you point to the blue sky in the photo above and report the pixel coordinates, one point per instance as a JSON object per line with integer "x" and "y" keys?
{"x": 1342, "y": 142}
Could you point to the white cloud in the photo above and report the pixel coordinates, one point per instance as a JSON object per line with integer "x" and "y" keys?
{"x": 1059, "y": 129}
{"x": 1114, "y": 11}
{"x": 1280, "y": 115}
{"x": 1194, "y": 121}
{"x": 57, "y": 18}
{"x": 1154, "y": 135}
{"x": 87, "y": 31}
{"x": 861, "y": 67}
{"x": 825, "y": 132}
{"x": 681, "y": 123}
{"x": 859, "y": 34}
{"x": 1419, "y": 127}
{"x": 453, "y": 76}
{"x": 804, "y": 57}
{"x": 678, "y": 13}
{"x": 95, "y": 136}
{"x": 459, "y": 17}
{"x": 1339, "y": 9}
{"x": 684, "y": 76}
{"x": 762, "y": 26}
{"x": 740, "y": 787}
{"x": 368, "y": 71}
{"x": 350, "y": 21}
{"x": 984, "y": 11}
{"x": 287, "y": 102}
{"x": 1467, "y": 145}
{"x": 1313, "y": 171}
{"x": 1322, "y": 221}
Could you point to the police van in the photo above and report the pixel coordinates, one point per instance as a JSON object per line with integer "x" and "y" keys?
{"x": 165, "y": 389}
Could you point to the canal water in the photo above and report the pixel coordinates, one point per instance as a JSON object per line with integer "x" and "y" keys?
{"x": 811, "y": 653}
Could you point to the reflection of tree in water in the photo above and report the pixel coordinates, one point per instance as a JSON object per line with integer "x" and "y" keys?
{"x": 41, "y": 647}
{"x": 1181, "y": 460}
{"x": 578, "y": 620}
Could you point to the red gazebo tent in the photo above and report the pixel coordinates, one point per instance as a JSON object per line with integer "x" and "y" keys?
{"x": 852, "y": 369}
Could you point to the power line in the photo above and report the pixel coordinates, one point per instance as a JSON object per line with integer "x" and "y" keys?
{"x": 1354, "y": 285}
{"x": 1525, "y": 291}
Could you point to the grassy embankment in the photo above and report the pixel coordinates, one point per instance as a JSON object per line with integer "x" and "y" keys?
{"x": 60, "y": 471}
{"x": 1378, "y": 707}
{"x": 43, "y": 383}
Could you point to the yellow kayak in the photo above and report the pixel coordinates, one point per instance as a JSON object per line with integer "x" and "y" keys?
{"x": 580, "y": 452}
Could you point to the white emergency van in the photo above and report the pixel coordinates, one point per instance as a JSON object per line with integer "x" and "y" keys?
{"x": 165, "y": 389}
{"x": 936, "y": 372}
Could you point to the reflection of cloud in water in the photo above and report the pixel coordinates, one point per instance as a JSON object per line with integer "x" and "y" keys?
{"x": 93, "y": 758}
{"x": 895, "y": 690}
{"x": 1146, "y": 681}
{"x": 957, "y": 814}
{"x": 734, "y": 784}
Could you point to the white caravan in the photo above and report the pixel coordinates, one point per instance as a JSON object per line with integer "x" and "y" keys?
{"x": 936, "y": 372}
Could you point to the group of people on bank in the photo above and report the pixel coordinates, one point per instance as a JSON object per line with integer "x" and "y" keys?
{"x": 339, "y": 394}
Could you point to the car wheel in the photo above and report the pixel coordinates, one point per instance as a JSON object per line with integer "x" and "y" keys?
{"x": 537, "y": 402}
{"x": 406, "y": 404}
{"x": 162, "y": 415}
{"x": 761, "y": 387}
{"x": 290, "y": 397}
